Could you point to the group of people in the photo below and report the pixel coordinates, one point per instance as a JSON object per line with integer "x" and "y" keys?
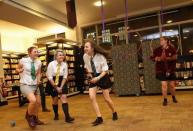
{"x": 96, "y": 65}
{"x": 29, "y": 69}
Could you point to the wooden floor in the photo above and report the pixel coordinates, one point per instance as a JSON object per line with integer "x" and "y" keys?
{"x": 144, "y": 113}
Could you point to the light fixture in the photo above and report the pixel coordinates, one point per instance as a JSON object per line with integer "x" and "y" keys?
{"x": 186, "y": 31}
{"x": 135, "y": 35}
{"x": 169, "y": 21}
{"x": 190, "y": 51}
{"x": 98, "y": 3}
{"x": 185, "y": 37}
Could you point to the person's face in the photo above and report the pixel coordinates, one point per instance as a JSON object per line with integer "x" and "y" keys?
{"x": 34, "y": 53}
{"x": 60, "y": 57}
{"x": 88, "y": 49}
{"x": 163, "y": 42}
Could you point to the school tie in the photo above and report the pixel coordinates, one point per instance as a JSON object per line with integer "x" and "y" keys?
{"x": 33, "y": 71}
{"x": 57, "y": 74}
{"x": 93, "y": 67}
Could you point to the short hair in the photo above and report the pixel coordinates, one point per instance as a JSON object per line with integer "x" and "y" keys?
{"x": 57, "y": 51}
{"x": 30, "y": 49}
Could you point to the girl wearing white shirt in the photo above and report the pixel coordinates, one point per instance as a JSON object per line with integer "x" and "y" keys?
{"x": 97, "y": 67}
{"x": 29, "y": 70}
{"x": 57, "y": 73}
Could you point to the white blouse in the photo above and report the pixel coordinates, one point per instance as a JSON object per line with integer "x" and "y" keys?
{"x": 99, "y": 60}
{"x": 52, "y": 69}
{"x": 25, "y": 76}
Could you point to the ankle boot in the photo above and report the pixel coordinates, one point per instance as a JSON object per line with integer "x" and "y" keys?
{"x": 165, "y": 102}
{"x": 98, "y": 121}
{"x": 174, "y": 99}
{"x": 66, "y": 112}
{"x": 38, "y": 121}
{"x": 31, "y": 121}
{"x": 115, "y": 116}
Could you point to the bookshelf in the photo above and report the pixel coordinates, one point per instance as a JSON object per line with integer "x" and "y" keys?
{"x": 184, "y": 72}
{"x": 11, "y": 78}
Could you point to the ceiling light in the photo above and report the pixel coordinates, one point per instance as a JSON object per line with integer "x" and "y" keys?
{"x": 190, "y": 51}
{"x": 185, "y": 37}
{"x": 186, "y": 31}
{"x": 135, "y": 35}
{"x": 169, "y": 21}
{"x": 98, "y": 3}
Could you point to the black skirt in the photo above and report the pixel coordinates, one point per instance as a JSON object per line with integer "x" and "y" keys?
{"x": 166, "y": 76}
{"x": 52, "y": 91}
{"x": 103, "y": 83}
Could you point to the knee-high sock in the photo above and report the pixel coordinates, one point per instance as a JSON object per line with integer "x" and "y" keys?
{"x": 55, "y": 108}
{"x": 65, "y": 110}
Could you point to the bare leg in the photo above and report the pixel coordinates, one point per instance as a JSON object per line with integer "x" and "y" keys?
{"x": 92, "y": 94}
{"x": 164, "y": 92}
{"x": 108, "y": 100}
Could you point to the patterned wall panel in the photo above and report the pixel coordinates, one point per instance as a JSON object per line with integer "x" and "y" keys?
{"x": 152, "y": 85}
{"x": 125, "y": 70}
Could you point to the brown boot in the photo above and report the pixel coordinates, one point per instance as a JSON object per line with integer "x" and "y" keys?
{"x": 37, "y": 121}
{"x": 30, "y": 120}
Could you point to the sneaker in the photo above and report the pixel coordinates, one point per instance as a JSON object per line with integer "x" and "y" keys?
{"x": 98, "y": 121}
{"x": 115, "y": 116}
{"x": 70, "y": 120}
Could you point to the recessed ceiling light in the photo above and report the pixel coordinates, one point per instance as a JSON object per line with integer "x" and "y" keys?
{"x": 99, "y": 3}
{"x": 169, "y": 21}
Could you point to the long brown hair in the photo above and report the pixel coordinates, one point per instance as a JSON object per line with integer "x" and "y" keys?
{"x": 97, "y": 48}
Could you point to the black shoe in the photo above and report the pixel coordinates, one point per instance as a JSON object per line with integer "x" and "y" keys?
{"x": 45, "y": 110}
{"x": 165, "y": 103}
{"x": 98, "y": 121}
{"x": 56, "y": 117}
{"x": 175, "y": 101}
{"x": 70, "y": 120}
{"x": 115, "y": 116}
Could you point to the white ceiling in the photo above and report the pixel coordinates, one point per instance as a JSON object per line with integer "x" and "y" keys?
{"x": 86, "y": 11}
